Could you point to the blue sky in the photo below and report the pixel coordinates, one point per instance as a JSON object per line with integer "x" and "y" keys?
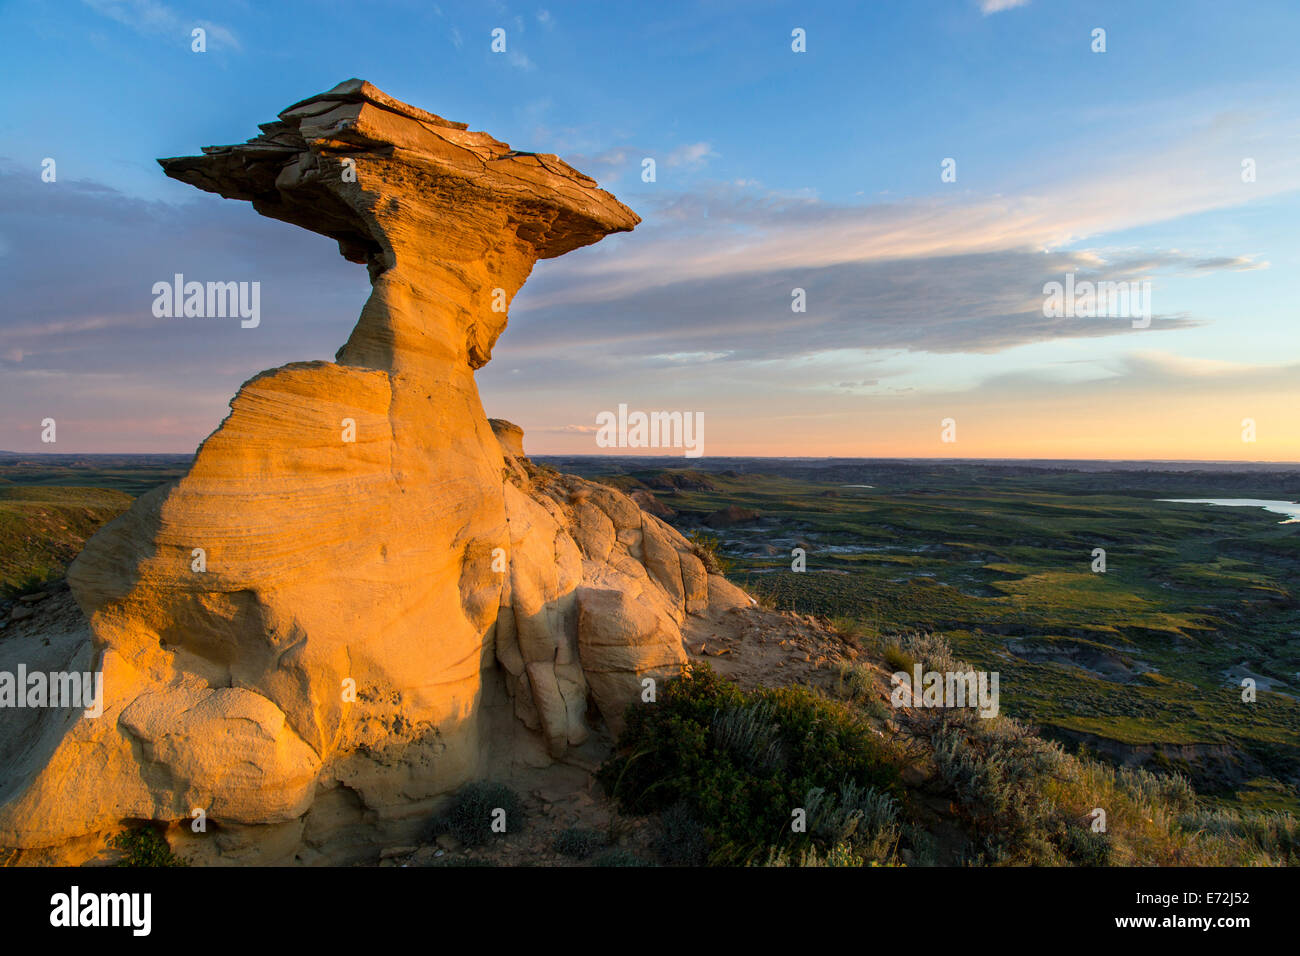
{"x": 775, "y": 169}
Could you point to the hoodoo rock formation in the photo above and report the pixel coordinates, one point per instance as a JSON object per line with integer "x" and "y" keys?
{"x": 362, "y": 595}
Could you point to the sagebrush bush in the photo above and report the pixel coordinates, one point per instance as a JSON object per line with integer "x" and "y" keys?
{"x": 853, "y": 682}
{"x": 743, "y": 761}
{"x": 1172, "y": 790}
{"x": 683, "y": 840}
{"x": 932, "y": 652}
{"x": 841, "y": 854}
{"x": 1085, "y": 847}
{"x": 853, "y": 631}
{"x": 749, "y": 733}
{"x": 898, "y": 659}
{"x": 992, "y": 770}
{"x": 470, "y": 815}
{"x": 1268, "y": 836}
{"x": 922, "y": 844}
{"x": 144, "y": 846}
{"x": 1024, "y": 800}
{"x": 578, "y": 842}
{"x": 707, "y": 548}
{"x": 736, "y": 763}
{"x": 864, "y": 818}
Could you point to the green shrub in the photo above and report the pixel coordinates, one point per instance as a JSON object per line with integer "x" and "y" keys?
{"x": 144, "y": 846}
{"x": 898, "y": 659}
{"x": 923, "y": 845}
{"x": 841, "y": 854}
{"x": 705, "y": 547}
{"x": 864, "y": 818}
{"x": 854, "y": 632}
{"x": 995, "y": 767}
{"x": 749, "y": 733}
{"x": 1085, "y": 847}
{"x": 853, "y": 683}
{"x": 1170, "y": 789}
{"x": 683, "y": 841}
{"x": 469, "y": 818}
{"x": 578, "y": 843}
{"x": 741, "y": 762}
{"x": 1265, "y": 836}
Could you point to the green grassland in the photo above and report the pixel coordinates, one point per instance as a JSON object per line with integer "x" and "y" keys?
{"x": 42, "y": 529}
{"x": 1134, "y": 663}
{"x": 1140, "y": 664}
{"x": 50, "y": 505}
{"x": 130, "y": 474}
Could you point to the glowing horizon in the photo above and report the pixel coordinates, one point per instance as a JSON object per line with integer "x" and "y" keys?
{"x": 815, "y": 276}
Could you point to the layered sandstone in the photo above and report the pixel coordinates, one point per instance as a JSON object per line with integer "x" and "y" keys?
{"x": 306, "y": 636}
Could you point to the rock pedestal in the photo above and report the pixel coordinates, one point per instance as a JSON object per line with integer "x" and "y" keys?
{"x": 298, "y": 635}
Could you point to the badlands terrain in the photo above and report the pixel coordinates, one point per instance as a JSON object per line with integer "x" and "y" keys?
{"x": 362, "y": 626}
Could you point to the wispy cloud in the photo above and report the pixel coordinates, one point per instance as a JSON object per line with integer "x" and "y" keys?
{"x": 1152, "y": 364}
{"x": 972, "y": 303}
{"x": 1235, "y": 263}
{"x": 997, "y": 6}
{"x": 151, "y": 18}
{"x": 691, "y": 155}
{"x": 712, "y": 269}
{"x": 606, "y": 166}
{"x": 721, "y": 229}
{"x": 609, "y": 165}
{"x": 567, "y": 429}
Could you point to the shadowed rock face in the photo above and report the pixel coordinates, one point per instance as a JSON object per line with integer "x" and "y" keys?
{"x": 307, "y": 635}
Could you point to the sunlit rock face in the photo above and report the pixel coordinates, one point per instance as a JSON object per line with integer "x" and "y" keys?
{"x": 304, "y": 636}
